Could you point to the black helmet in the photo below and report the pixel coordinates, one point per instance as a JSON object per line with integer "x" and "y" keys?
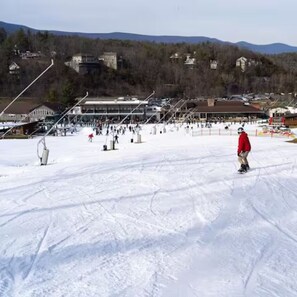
{"x": 240, "y": 130}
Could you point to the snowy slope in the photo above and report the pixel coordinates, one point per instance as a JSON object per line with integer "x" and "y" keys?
{"x": 168, "y": 217}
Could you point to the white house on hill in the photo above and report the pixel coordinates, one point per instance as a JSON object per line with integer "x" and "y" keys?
{"x": 242, "y": 62}
{"x": 83, "y": 63}
{"x": 14, "y": 68}
{"x": 110, "y": 60}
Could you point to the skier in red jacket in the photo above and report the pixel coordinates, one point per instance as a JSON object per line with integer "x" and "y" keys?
{"x": 244, "y": 147}
{"x": 90, "y": 137}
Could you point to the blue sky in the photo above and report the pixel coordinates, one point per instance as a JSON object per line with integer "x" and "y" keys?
{"x": 255, "y": 21}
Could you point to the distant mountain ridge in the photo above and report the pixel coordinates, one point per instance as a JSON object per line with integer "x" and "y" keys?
{"x": 274, "y": 48}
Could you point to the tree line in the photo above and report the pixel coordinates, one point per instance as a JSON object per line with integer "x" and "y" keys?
{"x": 142, "y": 67}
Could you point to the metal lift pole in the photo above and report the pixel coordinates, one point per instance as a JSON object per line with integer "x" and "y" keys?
{"x": 43, "y": 159}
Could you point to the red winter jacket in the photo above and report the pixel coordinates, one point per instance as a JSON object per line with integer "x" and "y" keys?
{"x": 243, "y": 143}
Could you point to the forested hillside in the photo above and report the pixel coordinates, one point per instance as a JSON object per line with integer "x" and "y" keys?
{"x": 142, "y": 67}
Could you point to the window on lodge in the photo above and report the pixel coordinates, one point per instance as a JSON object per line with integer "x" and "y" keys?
{"x": 100, "y": 109}
{"x": 125, "y": 109}
{"x": 113, "y": 109}
{"x": 87, "y": 110}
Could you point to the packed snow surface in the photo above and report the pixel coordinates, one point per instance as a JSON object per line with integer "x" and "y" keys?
{"x": 166, "y": 217}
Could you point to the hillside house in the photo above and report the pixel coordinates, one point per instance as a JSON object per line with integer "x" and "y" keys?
{"x": 252, "y": 62}
{"x": 14, "y": 68}
{"x": 242, "y": 62}
{"x": 109, "y": 60}
{"x": 175, "y": 57}
{"x": 29, "y": 55}
{"x": 191, "y": 62}
{"x": 83, "y": 63}
{"x": 213, "y": 64}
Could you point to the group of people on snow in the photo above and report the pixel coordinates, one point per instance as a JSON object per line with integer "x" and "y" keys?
{"x": 243, "y": 149}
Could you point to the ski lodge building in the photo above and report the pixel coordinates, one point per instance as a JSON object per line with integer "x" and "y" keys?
{"x": 114, "y": 109}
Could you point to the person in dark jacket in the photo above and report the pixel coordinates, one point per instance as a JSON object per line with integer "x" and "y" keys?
{"x": 244, "y": 147}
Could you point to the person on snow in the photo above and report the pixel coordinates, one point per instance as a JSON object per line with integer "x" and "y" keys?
{"x": 244, "y": 147}
{"x": 90, "y": 137}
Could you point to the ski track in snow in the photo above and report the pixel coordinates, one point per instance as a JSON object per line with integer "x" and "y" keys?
{"x": 36, "y": 254}
{"x": 6, "y": 283}
{"x": 157, "y": 221}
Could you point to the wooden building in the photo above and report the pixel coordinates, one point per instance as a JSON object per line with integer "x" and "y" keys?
{"x": 290, "y": 120}
{"x": 211, "y": 110}
{"x": 45, "y": 109}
